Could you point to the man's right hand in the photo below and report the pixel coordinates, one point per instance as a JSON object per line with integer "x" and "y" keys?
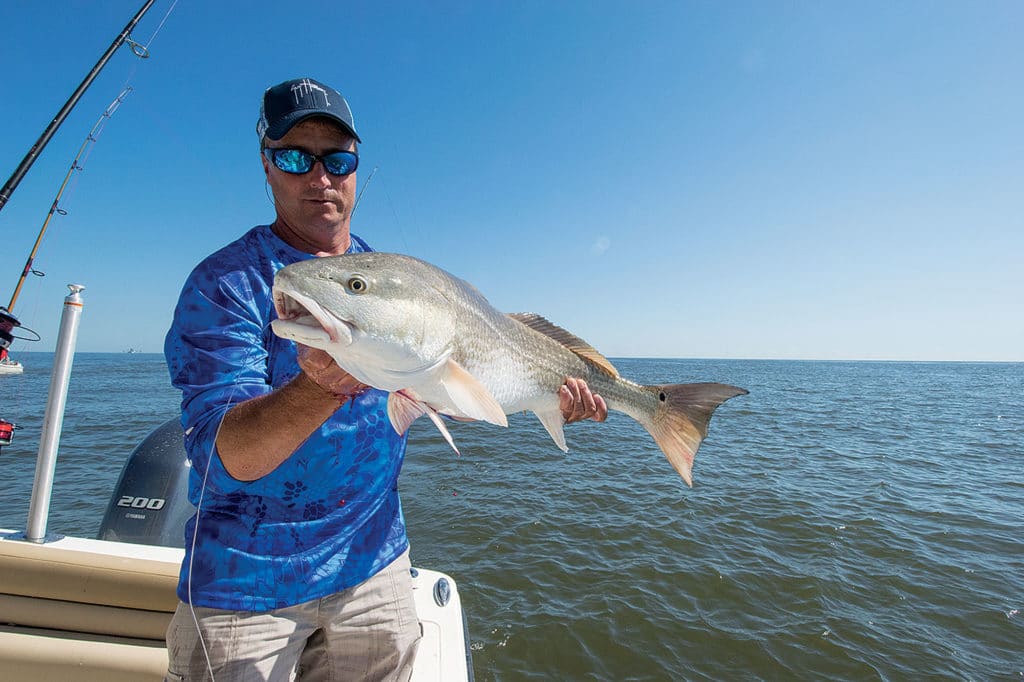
{"x": 250, "y": 450}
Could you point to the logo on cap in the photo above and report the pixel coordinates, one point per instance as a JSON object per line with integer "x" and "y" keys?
{"x": 308, "y": 89}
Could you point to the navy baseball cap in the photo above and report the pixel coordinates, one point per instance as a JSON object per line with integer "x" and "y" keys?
{"x": 285, "y": 104}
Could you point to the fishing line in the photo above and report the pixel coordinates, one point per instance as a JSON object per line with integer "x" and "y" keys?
{"x": 199, "y": 506}
{"x": 398, "y": 222}
{"x": 270, "y": 195}
{"x": 191, "y": 559}
{"x": 142, "y": 51}
{"x": 365, "y": 185}
{"x": 250, "y": 353}
{"x": 162, "y": 22}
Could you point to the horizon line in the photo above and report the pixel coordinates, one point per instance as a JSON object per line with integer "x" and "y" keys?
{"x": 627, "y": 357}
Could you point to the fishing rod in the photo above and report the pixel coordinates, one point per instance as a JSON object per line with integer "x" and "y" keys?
{"x": 76, "y": 165}
{"x": 8, "y": 322}
{"x": 37, "y": 148}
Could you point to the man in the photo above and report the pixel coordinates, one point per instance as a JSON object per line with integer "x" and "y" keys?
{"x": 297, "y": 561}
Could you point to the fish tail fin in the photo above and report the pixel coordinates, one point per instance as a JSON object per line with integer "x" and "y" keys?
{"x": 681, "y": 421}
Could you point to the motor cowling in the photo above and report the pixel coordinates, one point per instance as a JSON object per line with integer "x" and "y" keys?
{"x": 150, "y": 502}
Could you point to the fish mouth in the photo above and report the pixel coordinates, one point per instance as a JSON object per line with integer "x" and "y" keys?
{"x": 306, "y": 321}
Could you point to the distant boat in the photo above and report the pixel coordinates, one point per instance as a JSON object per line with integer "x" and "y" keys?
{"x": 131, "y": 350}
{"x": 9, "y": 366}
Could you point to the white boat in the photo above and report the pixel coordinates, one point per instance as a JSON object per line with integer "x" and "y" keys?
{"x": 74, "y": 608}
{"x": 84, "y": 609}
{"x": 9, "y": 366}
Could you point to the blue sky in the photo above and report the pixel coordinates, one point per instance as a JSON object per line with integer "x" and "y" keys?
{"x": 815, "y": 180}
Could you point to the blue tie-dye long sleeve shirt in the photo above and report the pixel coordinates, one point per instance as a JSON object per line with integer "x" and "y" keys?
{"x": 329, "y": 516}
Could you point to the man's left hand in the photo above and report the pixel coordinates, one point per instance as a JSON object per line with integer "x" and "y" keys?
{"x": 324, "y": 371}
{"x": 578, "y": 402}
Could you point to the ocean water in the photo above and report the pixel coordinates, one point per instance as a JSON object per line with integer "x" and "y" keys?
{"x": 848, "y": 521}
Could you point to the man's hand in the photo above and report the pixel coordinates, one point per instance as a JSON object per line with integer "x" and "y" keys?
{"x": 324, "y": 371}
{"x": 250, "y": 450}
{"x": 578, "y": 403}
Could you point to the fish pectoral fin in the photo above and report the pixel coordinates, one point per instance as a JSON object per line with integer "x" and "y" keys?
{"x": 469, "y": 396}
{"x": 553, "y": 422}
{"x": 404, "y": 410}
{"x": 439, "y": 423}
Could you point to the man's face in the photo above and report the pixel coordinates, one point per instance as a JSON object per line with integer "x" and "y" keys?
{"x": 314, "y": 207}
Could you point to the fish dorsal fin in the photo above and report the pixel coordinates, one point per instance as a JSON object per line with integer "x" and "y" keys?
{"x": 568, "y": 339}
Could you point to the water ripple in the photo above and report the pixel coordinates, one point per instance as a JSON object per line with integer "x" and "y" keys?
{"x": 848, "y": 521}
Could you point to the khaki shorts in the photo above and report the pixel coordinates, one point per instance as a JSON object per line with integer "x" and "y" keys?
{"x": 367, "y": 632}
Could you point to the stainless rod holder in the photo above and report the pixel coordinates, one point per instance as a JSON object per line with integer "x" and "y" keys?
{"x": 53, "y": 421}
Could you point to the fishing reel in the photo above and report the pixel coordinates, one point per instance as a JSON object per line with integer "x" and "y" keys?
{"x": 6, "y": 432}
{"x": 7, "y": 324}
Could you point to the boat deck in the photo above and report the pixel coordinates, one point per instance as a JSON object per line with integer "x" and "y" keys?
{"x": 85, "y": 609}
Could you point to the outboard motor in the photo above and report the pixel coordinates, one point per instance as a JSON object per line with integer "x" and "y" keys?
{"x": 150, "y": 503}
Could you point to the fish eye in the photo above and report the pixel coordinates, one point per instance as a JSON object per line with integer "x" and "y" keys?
{"x": 356, "y": 285}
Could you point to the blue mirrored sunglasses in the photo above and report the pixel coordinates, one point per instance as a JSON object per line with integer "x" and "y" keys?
{"x": 297, "y": 161}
